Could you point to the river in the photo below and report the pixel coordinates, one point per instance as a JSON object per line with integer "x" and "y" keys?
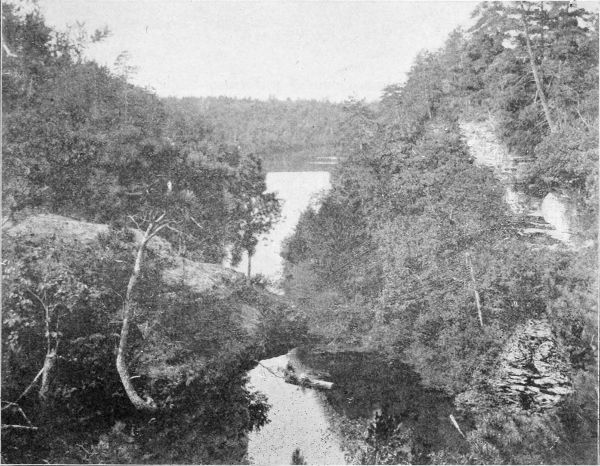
{"x": 298, "y": 420}
{"x": 364, "y": 383}
{"x": 297, "y": 416}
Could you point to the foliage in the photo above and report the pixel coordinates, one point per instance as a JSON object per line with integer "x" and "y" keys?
{"x": 417, "y": 240}
{"x": 83, "y": 386}
{"x": 280, "y": 327}
{"x": 186, "y": 349}
{"x": 413, "y": 251}
{"x": 81, "y": 141}
{"x": 101, "y": 149}
{"x": 255, "y": 211}
{"x": 280, "y": 132}
{"x": 564, "y": 48}
{"x": 389, "y": 442}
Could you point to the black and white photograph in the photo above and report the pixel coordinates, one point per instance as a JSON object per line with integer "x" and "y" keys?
{"x": 277, "y": 232}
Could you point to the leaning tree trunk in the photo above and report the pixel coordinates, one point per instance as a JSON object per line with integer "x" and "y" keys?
{"x": 133, "y": 396}
{"x": 249, "y": 265}
{"x": 538, "y": 82}
{"x": 49, "y": 362}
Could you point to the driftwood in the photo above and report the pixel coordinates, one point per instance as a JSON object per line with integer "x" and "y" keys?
{"x": 457, "y": 426}
{"x": 17, "y": 426}
{"x": 303, "y": 380}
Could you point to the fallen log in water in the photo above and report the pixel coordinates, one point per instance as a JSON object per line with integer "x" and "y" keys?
{"x": 303, "y": 380}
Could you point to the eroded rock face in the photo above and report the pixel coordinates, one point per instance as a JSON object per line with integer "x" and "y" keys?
{"x": 533, "y": 374}
{"x": 559, "y": 212}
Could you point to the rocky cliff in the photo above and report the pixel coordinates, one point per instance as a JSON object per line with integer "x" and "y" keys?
{"x": 533, "y": 374}
{"x": 553, "y": 216}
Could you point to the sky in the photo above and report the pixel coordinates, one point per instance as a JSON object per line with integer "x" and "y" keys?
{"x": 325, "y": 50}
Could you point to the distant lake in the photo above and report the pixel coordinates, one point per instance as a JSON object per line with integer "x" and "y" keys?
{"x": 309, "y": 160}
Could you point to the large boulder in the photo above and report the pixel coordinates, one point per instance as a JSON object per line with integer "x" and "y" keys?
{"x": 199, "y": 276}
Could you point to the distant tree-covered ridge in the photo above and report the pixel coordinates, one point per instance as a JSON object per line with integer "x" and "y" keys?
{"x": 285, "y": 133}
{"x": 415, "y": 252}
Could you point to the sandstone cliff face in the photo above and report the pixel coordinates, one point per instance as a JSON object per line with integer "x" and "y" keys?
{"x": 533, "y": 374}
{"x": 553, "y": 216}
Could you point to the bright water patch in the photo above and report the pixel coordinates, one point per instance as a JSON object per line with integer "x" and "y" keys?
{"x": 297, "y": 420}
{"x": 297, "y": 190}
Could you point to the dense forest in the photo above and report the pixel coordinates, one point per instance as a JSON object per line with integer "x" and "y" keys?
{"x": 125, "y": 341}
{"x": 110, "y": 351}
{"x": 285, "y": 134}
{"x": 415, "y": 253}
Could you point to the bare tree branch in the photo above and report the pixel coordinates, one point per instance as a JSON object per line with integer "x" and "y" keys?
{"x": 27, "y": 390}
{"x": 583, "y": 120}
{"x": 475, "y": 292}
{"x": 169, "y": 227}
{"x": 196, "y": 223}
{"x": 16, "y": 426}
{"x": 15, "y": 405}
{"x": 134, "y": 222}
{"x": 6, "y": 49}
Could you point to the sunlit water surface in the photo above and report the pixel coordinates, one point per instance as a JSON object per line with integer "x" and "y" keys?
{"x": 297, "y": 420}
{"x": 297, "y": 190}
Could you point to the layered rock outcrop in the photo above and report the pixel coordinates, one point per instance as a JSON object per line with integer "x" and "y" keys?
{"x": 200, "y": 277}
{"x": 533, "y": 374}
{"x": 551, "y": 217}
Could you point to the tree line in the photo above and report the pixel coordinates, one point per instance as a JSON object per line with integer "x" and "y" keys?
{"x": 282, "y": 132}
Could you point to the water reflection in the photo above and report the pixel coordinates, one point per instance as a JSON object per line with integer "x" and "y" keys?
{"x": 366, "y": 384}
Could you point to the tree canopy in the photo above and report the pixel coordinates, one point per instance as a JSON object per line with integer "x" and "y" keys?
{"x": 435, "y": 270}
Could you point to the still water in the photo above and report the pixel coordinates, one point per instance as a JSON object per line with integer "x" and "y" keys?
{"x": 297, "y": 420}
{"x": 366, "y": 384}
{"x": 297, "y": 190}
{"x": 297, "y": 416}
